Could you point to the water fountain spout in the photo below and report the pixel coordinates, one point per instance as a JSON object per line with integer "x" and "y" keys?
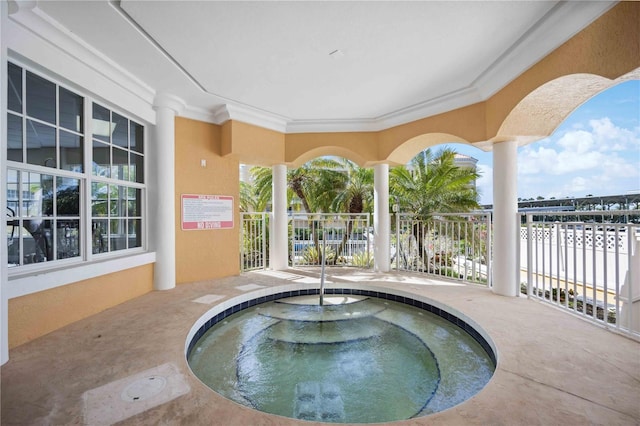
{"x": 324, "y": 256}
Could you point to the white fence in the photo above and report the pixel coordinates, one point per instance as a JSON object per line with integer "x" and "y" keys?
{"x": 454, "y": 245}
{"x": 591, "y": 267}
{"x": 585, "y": 262}
{"x": 253, "y": 241}
{"x": 346, "y": 237}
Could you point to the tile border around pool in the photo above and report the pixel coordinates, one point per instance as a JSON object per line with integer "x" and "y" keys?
{"x": 232, "y": 306}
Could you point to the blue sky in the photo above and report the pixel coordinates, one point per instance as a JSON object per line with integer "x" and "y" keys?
{"x": 595, "y": 151}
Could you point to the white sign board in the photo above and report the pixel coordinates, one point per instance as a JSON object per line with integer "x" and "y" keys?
{"x": 201, "y": 212}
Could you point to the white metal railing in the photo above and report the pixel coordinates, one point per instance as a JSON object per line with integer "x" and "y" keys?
{"x": 586, "y": 262}
{"x": 253, "y": 241}
{"x": 453, "y": 245}
{"x": 349, "y": 240}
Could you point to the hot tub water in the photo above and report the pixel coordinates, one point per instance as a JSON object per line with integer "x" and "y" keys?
{"x": 357, "y": 360}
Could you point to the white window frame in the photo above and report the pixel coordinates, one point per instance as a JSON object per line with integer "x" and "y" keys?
{"x": 26, "y": 279}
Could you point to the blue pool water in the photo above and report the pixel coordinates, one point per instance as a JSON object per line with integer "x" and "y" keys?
{"x": 358, "y": 359}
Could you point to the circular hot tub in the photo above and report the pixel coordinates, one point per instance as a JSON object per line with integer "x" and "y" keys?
{"x": 363, "y": 357}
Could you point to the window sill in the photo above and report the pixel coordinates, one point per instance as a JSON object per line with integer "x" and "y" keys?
{"x": 33, "y": 282}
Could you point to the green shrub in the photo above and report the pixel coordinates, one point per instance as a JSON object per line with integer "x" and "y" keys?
{"x": 363, "y": 259}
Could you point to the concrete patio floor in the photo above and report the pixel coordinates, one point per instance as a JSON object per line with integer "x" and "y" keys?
{"x": 553, "y": 368}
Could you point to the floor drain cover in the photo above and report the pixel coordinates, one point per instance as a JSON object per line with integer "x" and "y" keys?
{"x": 144, "y": 388}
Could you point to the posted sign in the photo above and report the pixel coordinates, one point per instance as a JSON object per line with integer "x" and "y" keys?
{"x": 201, "y": 212}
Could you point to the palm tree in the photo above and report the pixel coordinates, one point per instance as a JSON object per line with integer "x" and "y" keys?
{"x": 315, "y": 184}
{"x": 355, "y": 197}
{"x": 257, "y": 194}
{"x": 433, "y": 184}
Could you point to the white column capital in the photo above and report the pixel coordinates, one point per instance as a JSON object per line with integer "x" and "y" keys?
{"x": 167, "y": 100}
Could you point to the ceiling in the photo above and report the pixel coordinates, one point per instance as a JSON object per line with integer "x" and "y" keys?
{"x": 324, "y": 66}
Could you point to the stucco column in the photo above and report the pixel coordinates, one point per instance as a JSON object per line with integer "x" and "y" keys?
{"x": 162, "y": 194}
{"x": 505, "y": 209}
{"x": 278, "y": 237}
{"x": 381, "y": 218}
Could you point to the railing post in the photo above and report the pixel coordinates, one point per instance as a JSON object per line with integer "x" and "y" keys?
{"x": 518, "y": 249}
{"x": 397, "y": 212}
{"x": 263, "y": 219}
{"x": 489, "y": 253}
{"x": 242, "y": 235}
{"x": 631, "y": 245}
{"x": 529, "y": 253}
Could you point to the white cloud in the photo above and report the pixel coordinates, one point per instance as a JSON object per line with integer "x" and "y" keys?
{"x": 580, "y": 150}
{"x": 600, "y": 158}
{"x": 609, "y": 137}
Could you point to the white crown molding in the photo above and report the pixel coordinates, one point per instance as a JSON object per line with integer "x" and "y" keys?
{"x": 199, "y": 114}
{"x": 564, "y": 21}
{"x": 438, "y": 105}
{"x": 332, "y": 126}
{"x": 243, "y": 113}
{"x": 167, "y": 100}
{"x": 34, "y": 20}
{"x": 561, "y": 23}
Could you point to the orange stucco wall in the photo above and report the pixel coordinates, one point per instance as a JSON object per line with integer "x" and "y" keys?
{"x": 205, "y": 254}
{"x": 465, "y": 124}
{"x": 255, "y": 145}
{"x": 37, "y": 314}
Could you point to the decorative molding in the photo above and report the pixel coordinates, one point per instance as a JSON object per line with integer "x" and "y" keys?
{"x": 38, "y": 23}
{"x": 560, "y": 23}
{"x": 245, "y": 114}
{"x": 167, "y": 100}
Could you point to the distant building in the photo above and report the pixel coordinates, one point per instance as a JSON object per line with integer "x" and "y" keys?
{"x": 462, "y": 160}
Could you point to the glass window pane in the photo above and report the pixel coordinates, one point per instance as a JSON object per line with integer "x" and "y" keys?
{"x": 37, "y": 194}
{"x": 136, "y": 140}
{"x": 41, "y": 144}
{"x": 71, "y": 152}
{"x": 101, "y": 164}
{"x": 67, "y": 197}
{"x": 117, "y": 201}
{"x": 99, "y": 236}
{"x": 136, "y": 168}
{"x": 99, "y": 199}
{"x": 13, "y": 196}
{"x": 120, "y": 165}
{"x": 120, "y": 135}
{"x": 118, "y": 234}
{"x": 71, "y": 110}
{"x": 41, "y": 98}
{"x": 102, "y": 126}
{"x": 135, "y": 233}
{"x": 134, "y": 202}
{"x": 13, "y": 243}
{"x": 37, "y": 240}
{"x": 14, "y": 138}
{"x": 14, "y": 101}
{"x": 68, "y": 239}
